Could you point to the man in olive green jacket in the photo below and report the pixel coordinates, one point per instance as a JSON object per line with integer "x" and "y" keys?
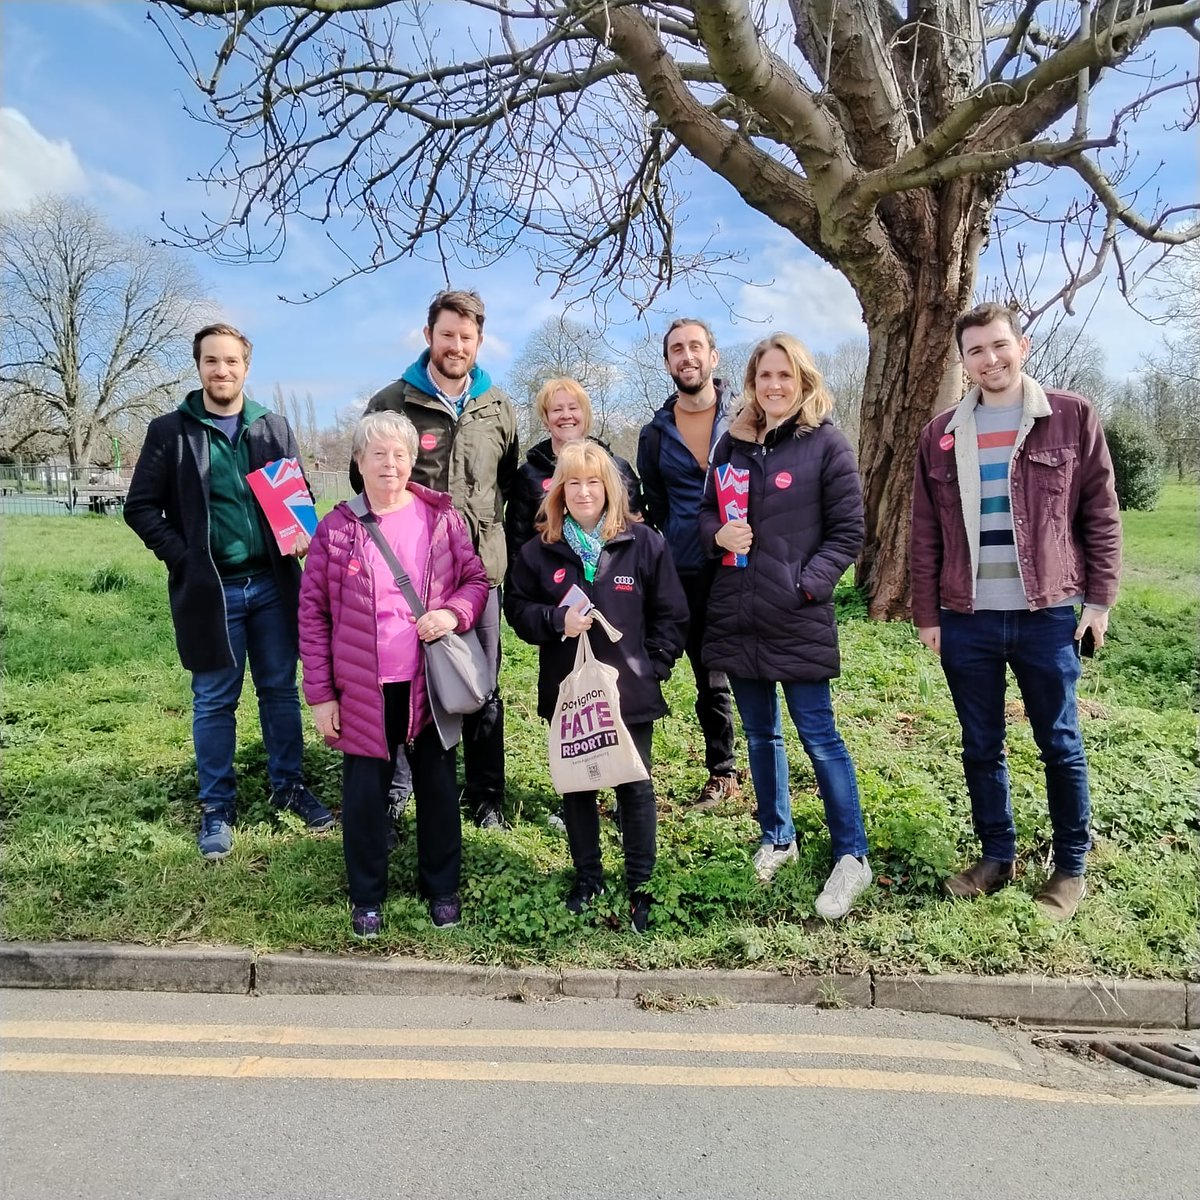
{"x": 467, "y": 434}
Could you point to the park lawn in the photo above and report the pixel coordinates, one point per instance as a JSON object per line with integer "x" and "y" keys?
{"x": 99, "y": 811}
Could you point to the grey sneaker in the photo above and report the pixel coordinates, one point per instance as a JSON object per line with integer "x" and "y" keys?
{"x": 768, "y": 859}
{"x": 849, "y": 879}
{"x": 215, "y": 839}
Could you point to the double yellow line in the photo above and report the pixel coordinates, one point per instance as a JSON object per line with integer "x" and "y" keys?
{"x": 624, "y": 1074}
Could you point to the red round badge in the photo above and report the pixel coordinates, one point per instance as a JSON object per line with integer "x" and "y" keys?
{"x": 546, "y": 484}
{"x": 352, "y": 567}
{"x": 560, "y": 574}
{"x": 946, "y": 441}
{"x": 783, "y": 479}
{"x": 429, "y": 441}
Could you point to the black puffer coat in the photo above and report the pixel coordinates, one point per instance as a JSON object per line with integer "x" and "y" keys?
{"x": 636, "y": 588}
{"x": 533, "y": 482}
{"x": 773, "y": 619}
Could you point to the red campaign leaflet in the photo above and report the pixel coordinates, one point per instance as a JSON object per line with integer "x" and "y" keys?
{"x": 733, "y": 497}
{"x": 285, "y": 499}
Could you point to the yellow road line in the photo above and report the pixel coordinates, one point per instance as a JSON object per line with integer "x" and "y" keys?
{"x": 540, "y": 1039}
{"x": 626, "y": 1075}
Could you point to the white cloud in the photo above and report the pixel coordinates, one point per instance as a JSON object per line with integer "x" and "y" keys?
{"x": 34, "y": 165}
{"x": 807, "y": 297}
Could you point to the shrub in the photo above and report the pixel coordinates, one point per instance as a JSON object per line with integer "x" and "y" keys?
{"x": 1137, "y": 462}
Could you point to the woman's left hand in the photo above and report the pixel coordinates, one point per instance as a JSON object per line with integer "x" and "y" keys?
{"x": 301, "y": 544}
{"x": 435, "y": 624}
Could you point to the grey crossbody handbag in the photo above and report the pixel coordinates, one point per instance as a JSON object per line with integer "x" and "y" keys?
{"x": 456, "y": 669}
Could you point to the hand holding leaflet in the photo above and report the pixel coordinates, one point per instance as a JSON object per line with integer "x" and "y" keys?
{"x": 576, "y": 595}
{"x": 284, "y": 496}
{"x": 733, "y": 495}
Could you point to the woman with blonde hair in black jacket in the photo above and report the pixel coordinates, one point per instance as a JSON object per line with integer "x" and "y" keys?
{"x": 771, "y": 623}
{"x": 589, "y": 541}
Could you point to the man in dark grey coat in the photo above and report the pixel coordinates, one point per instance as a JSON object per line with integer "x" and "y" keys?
{"x": 233, "y": 595}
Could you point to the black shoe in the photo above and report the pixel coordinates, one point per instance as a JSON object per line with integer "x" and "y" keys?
{"x": 582, "y": 894}
{"x": 639, "y": 911}
{"x": 488, "y": 816}
{"x": 298, "y": 799}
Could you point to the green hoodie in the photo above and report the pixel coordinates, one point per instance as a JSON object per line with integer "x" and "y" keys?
{"x": 235, "y": 533}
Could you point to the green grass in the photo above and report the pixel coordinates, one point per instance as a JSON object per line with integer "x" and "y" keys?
{"x": 98, "y": 800}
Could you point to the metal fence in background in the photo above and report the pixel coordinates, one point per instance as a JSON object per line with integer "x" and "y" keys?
{"x": 47, "y": 491}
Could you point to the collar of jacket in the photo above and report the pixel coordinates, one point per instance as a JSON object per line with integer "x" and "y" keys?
{"x": 417, "y": 374}
{"x": 438, "y": 501}
{"x": 742, "y": 429}
{"x": 724, "y": 399}
{"x": 1033, "y": 405}
{"x": 542, "y": 455}
{"x": 193, "y": 406}
{"x": 561, "y": 548}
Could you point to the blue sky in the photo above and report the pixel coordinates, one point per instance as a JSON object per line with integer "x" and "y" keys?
{"x": 93, "y": 106}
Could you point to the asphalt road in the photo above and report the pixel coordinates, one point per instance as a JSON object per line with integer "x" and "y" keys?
{"x": 121, "y": 1094}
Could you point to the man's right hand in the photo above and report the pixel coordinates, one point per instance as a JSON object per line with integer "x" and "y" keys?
{"x": 931, "y": 636}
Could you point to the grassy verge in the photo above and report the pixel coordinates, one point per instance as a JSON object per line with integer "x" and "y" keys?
{"x": 99, "y": 811}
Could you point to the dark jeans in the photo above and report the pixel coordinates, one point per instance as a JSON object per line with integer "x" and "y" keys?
{"x": 483, "y": 732}
{"x": 1040, "y": 647}
{"x": 639, "y": 822}
{"x": 714, "y": 706}
{"x": 365, "y": 783}
{"x": 257, "y": 630}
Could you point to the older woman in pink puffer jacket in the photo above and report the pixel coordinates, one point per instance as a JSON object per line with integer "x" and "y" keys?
{"x": 363, "y": 669}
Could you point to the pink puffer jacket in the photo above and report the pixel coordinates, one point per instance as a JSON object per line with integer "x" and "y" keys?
{"x": 338, "y": 643}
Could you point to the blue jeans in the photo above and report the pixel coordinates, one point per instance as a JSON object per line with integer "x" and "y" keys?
{"x": 258, "y": 628}
{"x": 812, "y": 713}
{"x": 1040, "y": 647}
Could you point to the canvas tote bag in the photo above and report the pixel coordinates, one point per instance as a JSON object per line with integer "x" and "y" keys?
{"x": 590, "y": 747}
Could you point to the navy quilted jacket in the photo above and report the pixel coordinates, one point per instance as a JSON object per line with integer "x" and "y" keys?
{"x": 773, "y": 618}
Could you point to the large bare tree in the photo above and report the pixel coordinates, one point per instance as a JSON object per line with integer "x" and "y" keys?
{"x": 96, "y": 328}
{"x": 879, "y": 135}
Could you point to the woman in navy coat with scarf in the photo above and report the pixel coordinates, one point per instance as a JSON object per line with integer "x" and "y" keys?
{"x": 771, "y": 622}
{"x": 590, "y": 541}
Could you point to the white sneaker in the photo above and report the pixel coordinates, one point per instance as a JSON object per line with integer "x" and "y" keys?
{"x": 849, "y": 879}
{"x": 768, "y": 859}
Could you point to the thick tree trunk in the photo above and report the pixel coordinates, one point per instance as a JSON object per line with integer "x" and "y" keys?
{"x": 913, "y": 373}
{"x": 906, "y": 386}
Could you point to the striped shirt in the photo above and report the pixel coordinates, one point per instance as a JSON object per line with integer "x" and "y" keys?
{"x": 998, "y": 583}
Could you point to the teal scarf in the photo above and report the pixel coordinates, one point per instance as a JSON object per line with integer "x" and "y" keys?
{"x": 587, "y": 544}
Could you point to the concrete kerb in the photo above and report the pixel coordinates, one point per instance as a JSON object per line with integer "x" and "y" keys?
{"x": 1028, "y": 999}
{"x": 1124, "y": 1003}
{"x": 97, "y": 965}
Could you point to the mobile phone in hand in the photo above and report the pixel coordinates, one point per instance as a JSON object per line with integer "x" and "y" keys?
{"x": 1087, "y": 643}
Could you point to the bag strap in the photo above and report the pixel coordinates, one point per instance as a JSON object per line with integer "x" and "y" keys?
{"x": 371, "y": 524}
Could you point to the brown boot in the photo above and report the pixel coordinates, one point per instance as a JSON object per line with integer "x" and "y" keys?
{"x": 1060, "y": 896}
{"x": 980, "y": 879}
{"x": 717, "y": 790}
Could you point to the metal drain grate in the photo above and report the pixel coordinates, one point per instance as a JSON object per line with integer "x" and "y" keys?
{"x": 1173, "y": 1062}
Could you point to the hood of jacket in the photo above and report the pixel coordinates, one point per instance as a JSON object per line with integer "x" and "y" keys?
{"x": 417, "y": 374}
